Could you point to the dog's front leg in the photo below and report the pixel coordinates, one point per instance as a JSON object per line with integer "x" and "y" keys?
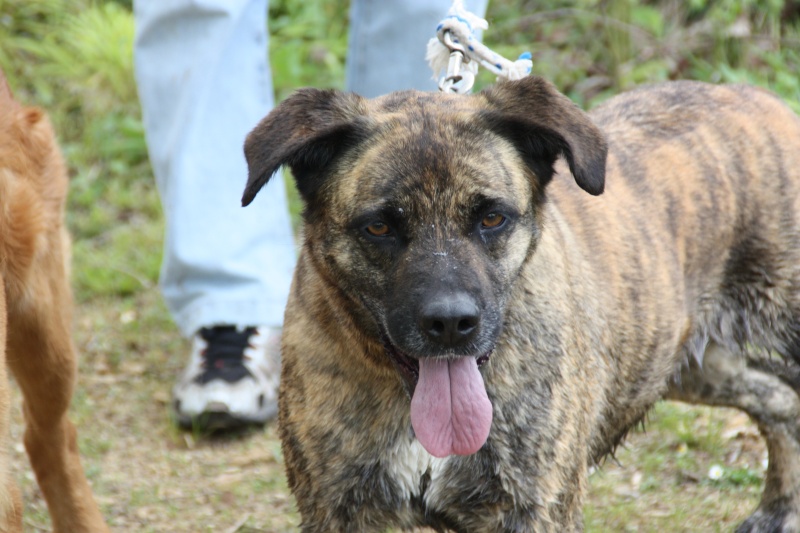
{"x": 42, "y": 358}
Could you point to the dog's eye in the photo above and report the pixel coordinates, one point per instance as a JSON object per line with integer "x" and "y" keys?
{"x": 493, "y": 220}
{"x": 378, "y": 229}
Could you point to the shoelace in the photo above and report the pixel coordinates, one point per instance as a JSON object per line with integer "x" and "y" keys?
{"x": 224, "y": 353}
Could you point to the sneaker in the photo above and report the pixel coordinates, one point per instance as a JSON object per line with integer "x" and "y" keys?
{"x": 231, "y": 380}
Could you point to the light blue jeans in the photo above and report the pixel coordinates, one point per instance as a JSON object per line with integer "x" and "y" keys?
{"x": 204, "y": 82}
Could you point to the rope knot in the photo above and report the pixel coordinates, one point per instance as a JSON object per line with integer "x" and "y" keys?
{"x": 457, "y": 51}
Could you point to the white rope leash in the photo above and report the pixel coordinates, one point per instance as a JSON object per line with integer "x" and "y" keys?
{"x": 457, "y": 52}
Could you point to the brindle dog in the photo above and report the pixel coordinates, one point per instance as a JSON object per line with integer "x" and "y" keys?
{"x": 472, "y": 324}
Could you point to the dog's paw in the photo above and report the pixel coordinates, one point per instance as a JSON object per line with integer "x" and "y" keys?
{"x": 775, "y": 518}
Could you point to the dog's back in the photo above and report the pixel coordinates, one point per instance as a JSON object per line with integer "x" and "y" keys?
{"x": 725, "y": 163}
{"x": 696, "y": 238}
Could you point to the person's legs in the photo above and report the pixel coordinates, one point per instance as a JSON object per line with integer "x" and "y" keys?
{"x": 204, "y": 82}
{"x": 388, "y": 41}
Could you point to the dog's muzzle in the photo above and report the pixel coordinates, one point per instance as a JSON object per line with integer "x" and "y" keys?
{"x": 450, "y": 409}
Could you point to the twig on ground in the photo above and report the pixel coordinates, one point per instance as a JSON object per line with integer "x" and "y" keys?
{"x": 238, "y": 525}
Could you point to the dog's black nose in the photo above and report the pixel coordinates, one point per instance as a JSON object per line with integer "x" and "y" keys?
{"x": 450, "y": 320}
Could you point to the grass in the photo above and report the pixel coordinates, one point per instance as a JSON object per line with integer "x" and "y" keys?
{"x": 74, "y": 59}
{"x": 662, "y": 479}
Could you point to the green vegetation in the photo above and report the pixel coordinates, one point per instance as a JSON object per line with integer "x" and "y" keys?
{"x": 74, "y": 59}
{"x": 592, "y": 49}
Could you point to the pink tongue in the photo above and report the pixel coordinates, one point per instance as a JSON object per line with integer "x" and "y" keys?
{"x": 450, "y": 412}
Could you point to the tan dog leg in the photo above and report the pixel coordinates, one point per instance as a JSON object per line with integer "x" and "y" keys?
{"x": 756, "y": 388}
{"x": 10, "y": 500}
{"x": 42, "y": 358}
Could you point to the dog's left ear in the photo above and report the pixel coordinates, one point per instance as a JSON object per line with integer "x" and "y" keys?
{"x": 543, "y": 124}
{"x": 307, "y": 131}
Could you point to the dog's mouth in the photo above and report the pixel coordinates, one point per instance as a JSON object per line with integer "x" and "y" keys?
{"x": 408, "y": 366}
{"x": 450, "y": 410}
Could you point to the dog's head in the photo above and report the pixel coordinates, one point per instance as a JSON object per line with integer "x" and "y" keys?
{"x": 422, "y": 208}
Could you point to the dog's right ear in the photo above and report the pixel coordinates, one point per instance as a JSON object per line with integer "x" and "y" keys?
{"x": 543, "y": 124}
{"x": 306, "y": 132}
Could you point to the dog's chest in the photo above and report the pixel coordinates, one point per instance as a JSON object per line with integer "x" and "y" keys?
{"x": 417, "y": 473}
